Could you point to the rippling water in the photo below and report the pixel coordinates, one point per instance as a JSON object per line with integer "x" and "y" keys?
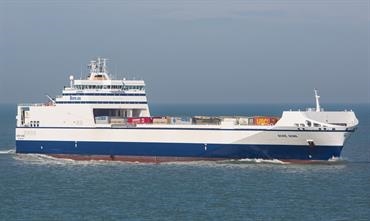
{"x": 36, "y": 187}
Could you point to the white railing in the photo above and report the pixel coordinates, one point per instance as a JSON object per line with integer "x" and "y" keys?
{"x": 35, "y": 104}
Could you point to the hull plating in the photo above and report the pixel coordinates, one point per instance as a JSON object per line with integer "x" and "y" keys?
{"x": 175, "y": 151}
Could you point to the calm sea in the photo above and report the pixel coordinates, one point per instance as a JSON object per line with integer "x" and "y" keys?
{"x": 41, "y": 188}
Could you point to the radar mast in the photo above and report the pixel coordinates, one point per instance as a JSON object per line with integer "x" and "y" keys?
{"x": 317, "y": 97}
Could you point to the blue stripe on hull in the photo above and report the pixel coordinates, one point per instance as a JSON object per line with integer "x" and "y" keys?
{"x": 230, "y": 151}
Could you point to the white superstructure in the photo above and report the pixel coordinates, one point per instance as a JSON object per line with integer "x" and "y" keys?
{"x": 83, "y": 100}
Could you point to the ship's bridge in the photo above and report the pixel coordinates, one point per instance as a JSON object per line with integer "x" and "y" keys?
{"x": 124, "y": 97}
{"x": 99, "y": 80}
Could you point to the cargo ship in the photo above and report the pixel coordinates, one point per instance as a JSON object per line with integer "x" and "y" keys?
{"x": 101, "y": 118}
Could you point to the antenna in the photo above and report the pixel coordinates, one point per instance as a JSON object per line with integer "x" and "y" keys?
{"x": 104, "y": 65}
{"x": 317, "y": 97}
{"x": 71, "y": 80}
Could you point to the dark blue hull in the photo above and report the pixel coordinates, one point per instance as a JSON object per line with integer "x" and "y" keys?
{"x": 179, "y": 150}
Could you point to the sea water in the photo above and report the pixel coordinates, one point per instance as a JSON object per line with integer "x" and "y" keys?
{"x": 37, "y": 187}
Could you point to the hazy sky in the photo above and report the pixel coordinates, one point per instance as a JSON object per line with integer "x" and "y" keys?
{"x": 191, "y": 51}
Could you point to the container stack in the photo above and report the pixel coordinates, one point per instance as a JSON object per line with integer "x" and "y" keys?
{"x": 140, "y": 120}
{"x": 243, "y": 121}
{"x": 102, "y": 120}
{"x": 179, "y": 120}
{"x": 206, "y": 120}
{"x": 263, "y": 120}
{"x": 200, "y": 120}
{"x": 160, "y": 120}
{"x": 118, "y": 120}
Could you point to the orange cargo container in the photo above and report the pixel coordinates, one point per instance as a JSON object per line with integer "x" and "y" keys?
{"x": 263, "y": 121}
{"x": 274, "y": 120}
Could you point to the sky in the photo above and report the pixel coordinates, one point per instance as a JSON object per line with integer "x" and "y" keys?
{"x": 191, "y": 51}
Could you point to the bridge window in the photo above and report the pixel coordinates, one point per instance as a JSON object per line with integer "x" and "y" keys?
{"x": 133, "y": 87}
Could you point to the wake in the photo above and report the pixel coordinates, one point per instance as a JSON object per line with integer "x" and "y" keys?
{"x": 9, "y": 151}
{"x": 42, "y": 159}
{"x": 261, "y": 161}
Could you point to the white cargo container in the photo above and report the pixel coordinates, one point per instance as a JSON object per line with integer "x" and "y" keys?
{"x": 102, "y": 120}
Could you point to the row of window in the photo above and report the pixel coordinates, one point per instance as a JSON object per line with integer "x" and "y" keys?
{"x": 313, "y": 124}
{"x": 34, "y": 123}
{"x": 101, "y": 94}
{"x": 325, "y": 128}
{"x": 122, "y": 87}
{"x": 134, "y": 87}
{"x": 101, "y": 102}
{"x": 308, "y": 124}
